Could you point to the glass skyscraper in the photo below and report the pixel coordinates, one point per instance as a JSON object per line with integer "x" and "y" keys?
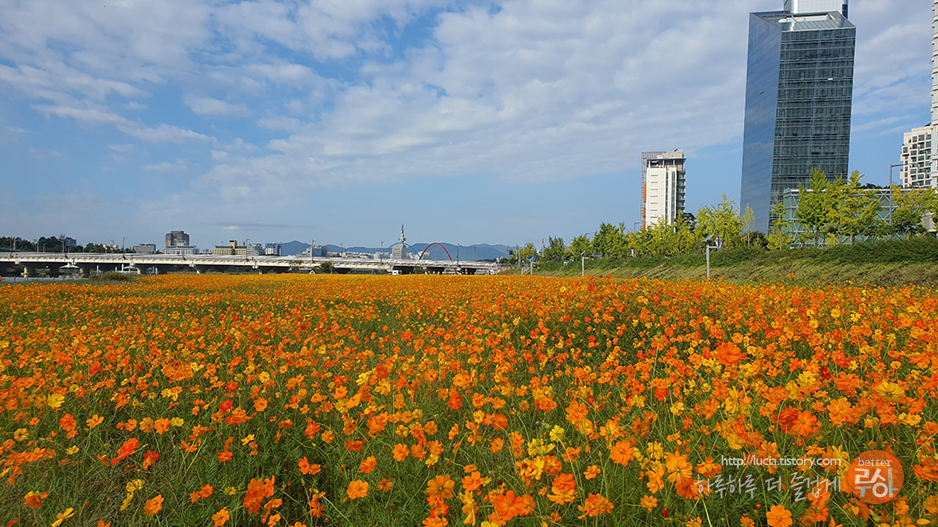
{"x": 799, "y": 91}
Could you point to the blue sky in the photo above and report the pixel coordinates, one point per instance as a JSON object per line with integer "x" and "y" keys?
{"x": 469, "y": 122}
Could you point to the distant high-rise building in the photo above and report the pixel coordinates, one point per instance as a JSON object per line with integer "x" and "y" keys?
{"x": 663, "y": 179}
{"x": 273, "y": 249}
{"x": 177, "y": 238}
{"x": 918, "y": 168}
{"x": 799, "y": 93}
{"x": 399, "y": 251}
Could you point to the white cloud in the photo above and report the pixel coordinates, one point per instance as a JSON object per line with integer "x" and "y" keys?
{"x": 210, "y": 106}
{"x": 180, "y": 165}
{"x": 165, "y": 134}
{"x": 45, "y": 153}
{"x": 123, "y": 148}
{"x": 288, "y": 124}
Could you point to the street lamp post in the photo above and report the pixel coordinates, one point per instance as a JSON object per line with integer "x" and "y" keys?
{"x": 583, "y": 264}
{"x": 707, "y": 240}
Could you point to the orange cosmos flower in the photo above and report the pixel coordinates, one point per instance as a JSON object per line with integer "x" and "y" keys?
{"x": 149, "y": 458}
{"x": 472, "y": 481}
{"x": 367, "y": 465}
{"x": 679, "y": 470}
{"x": 595, "y": 505}
{"x": 153, "y": 505}
{"x": 509, "y": 505}
{"x": 260, "y": 404}
{"x": 309, "y": 469}
{"x": 221, "y": 517}
{"x": 591, "y": 472}
{"x": 778, "y": 516}
{"x": 805, "y": 425}
{"x": 160, "y": 426}
{"x": 401, "y": 452}
{"x": 129, "y": 447}
{"x": 655, "y": 477}
{"x": 34, "y": 499}
{"x": 357, "y": 489}
{"x": 68, "y": 422}
{"x": 728, "y": 353}
{"x": 563, "y": 489}
{"x": 708, "y": 468}
{"x": 257, "y": 491}
{"x": 648, "y": 502}
{"x": 94, "y": 421}
{"x": 385, "y": 485}
{"x": 622, "y": 453}
{"x": 440, "y": 486}
{"x": 202, "y": 493}
{"x": 226, "y": 455}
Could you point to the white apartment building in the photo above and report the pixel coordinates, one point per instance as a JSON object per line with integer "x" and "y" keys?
{"x": 918, "y": 168}
{"x": 662, "y": 186}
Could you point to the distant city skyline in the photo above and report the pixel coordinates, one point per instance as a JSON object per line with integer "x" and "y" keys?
{"x": 500, "y": 122}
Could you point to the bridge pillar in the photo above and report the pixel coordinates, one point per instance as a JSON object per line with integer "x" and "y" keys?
{"x": 29, "y": 270}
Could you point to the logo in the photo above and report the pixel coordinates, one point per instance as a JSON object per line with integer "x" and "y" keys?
{"x": 875, "y": 477}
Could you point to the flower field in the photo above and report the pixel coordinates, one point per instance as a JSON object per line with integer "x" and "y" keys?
{"x": 408, "y": 400}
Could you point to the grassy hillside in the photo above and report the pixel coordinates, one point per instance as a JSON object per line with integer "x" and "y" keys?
{"x": 883, "y": 263}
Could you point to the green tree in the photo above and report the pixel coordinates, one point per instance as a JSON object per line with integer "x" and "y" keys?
{"x": 579, "y": 245}
{"x": 555, "y": 250}
{"x": 857, "y": 209}
{"x": 780, "y": 233}
{"x": 609, "y": 241}
{"x": 15, "y": 243}
{"x": 816, "y": 206}
{"x": 325, "y": 268}
{"x": 527, "y": 252}
{"x": 723, "y": 222}
{"x": 910, "y": 206}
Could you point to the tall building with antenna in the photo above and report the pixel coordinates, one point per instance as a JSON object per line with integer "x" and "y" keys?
{"x": 799, "y": 94}
{"x": 399, "y": 251}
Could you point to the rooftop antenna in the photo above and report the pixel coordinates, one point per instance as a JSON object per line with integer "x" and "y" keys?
{"x": 403, "y": 239}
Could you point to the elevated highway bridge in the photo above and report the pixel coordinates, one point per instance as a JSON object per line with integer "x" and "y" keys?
{"x": 53, "y": 264}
